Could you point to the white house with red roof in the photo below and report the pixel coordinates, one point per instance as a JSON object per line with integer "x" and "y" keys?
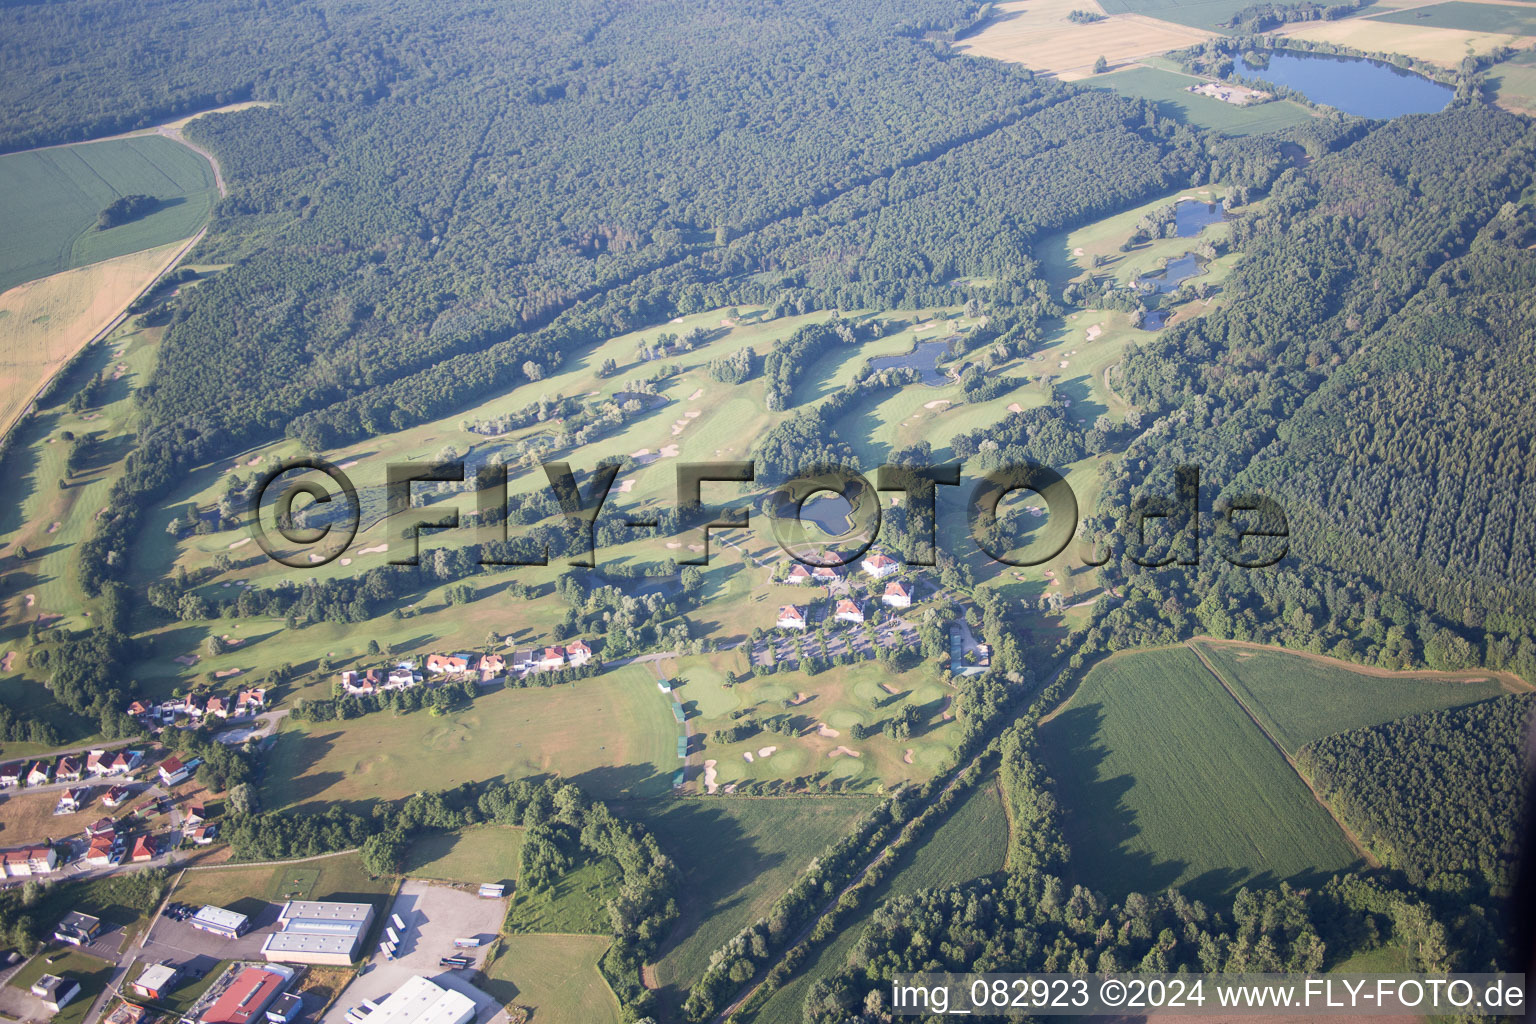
{"x": 116, "y": 795}
{"x": 10, "y": 774}
{"x": 552, "y": 658}
{"x": 144, "y": 849}
{"x": 897, "y": 595}
{"x": 578, "y": 653}
{"x": 791, "y": 617}
{"x": 491, "y": 667}
{"x": 825, "y": 574}
{"x": 217, "y": 707}
{"x": 879, "y": 566}
{"x": 173, "y": 772}
{"x": 69, "y": 770}
{"x": 447, "y": 664}
{"x": 798, "y": 574}
{"x": 248, "y": 702}
{"x": 848, "y": 611}
{"x": 32, "y": 860}
{"x": 39, "y": 773}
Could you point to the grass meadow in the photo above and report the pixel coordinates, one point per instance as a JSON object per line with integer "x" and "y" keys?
{"x": 970, "y": 843}
{"x": 613, "y": 735}
{"x": 490, "y": 853}
{"x": 1301, "y": 698}
{"x": 1165, "y": 781}
{"x": 50, "y": 199}
{"x": 555, "y": 976}
{"x": 1169, "y": 90}
{"x": 340, "y": 878}
{"x": 1206, "y": 14}
{"x": 1473, "y": 17}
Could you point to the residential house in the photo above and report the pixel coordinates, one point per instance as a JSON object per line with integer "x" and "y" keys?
{"x": 195, "y": 814}
{"x": 848, "y": 611}
{"x": 205, "y": 834}
{"x": 100, "y": 853}
{"x": 791, "y": 617}
{"x": 116, "y": 795}
{"x": 72, "y": 800}
{"x": 798, "y": 574}
{"x": 879, "y": 566}
{"x": 523, "y": 662}
{"x": 402, "y": 676}
{"x": 447, "y": 664}
{"x": 491, "y": 667}
{"x": 192, "y": 706}
{"x": 138, "y": 709}
{"x": 55, "y": 991}
{"x": 363, "y": 684}
{"x": 69, "y": 770}
{"x": 100, "y": 827}
{"x": 32, "y": 860}
{"x": 217, "y": 707}
{"x": 144, "y": 849}
{"x": 39, "y": 773}
{"x": 553, "y": 658}
{"x": 897, "y": 594}
{"x": 249, "y": 702}
{"x": 117, "y": 762}
{"x": 10, "y": 774}
{"x": 825, "y": 574}
{"x": 173, "y": 772}
{"x": 578, "y": 653}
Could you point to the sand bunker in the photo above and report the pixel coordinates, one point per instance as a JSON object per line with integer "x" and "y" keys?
{"x": 31, "y": 600}
{"x": 348, "y": 464}
{"x": 1015, "y": 407}
{"x": 242, "y": 542}
{"x": 1064, "y": 364}
{"x": 800, "y": 698}
{"x": 823, "y": 729}
{"x": 346, "y": 561}
{"x": 225, "y": 673}
{"x": 888, "y": 688}
{"x": 314, "y": 557}
{"x": 7, "y": 661}
{"x": 936, "y": 403}
{"x": 696, "y": 395}
{"x": 186, "y": 659}
{"x": 746, "y": 755}
{"x": 766, "y": 751}
{"x": 625, "y": 486}
{"x": 730, "y": 788}
{"x": 709, "y": 778}
{"x": 373, "y": 550}
{"x": 907, "y": 757}
{"x": 671, "y": 451}
{"x": 843, "y": 752}
{"x": 674, "y": 544}
{"x": 644, "y": 456}
{"x": 1094, "y": 331}
{"x": 54, "y": 527}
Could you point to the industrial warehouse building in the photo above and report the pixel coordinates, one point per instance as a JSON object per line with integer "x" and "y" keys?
{"x": 420, "y": 1001}
{"x": 226, "y": 924}
{"x": 319, "y": 933}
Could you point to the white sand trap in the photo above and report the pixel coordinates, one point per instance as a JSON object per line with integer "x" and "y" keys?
{"x": 671, "y": 451}
{"x": 1093, "y": 332}
{"x": 936, "y": 403}
{"x": 31, "y": 600}
{"x": 225, "y": 583}
{"x": 225, "y": 673}
{"x": 346, "y": 561}
{"x": 766, "y": 751}
{"x": 54, "y": 527}
{"x": 695, "y": 547}
{"x": 5, "y": 662}
{"x": 888, "y": 688}
{"x": 314, "y": 558}
{"x": 730, "y": 788}
{"x": 640, "y": 454}
{"x": 1078, "y": 251}
{"x": 907, "y": 757}
{"x": 254, "y": 460}
{"x": 843, "y": 752}
{"x": 1015, "y": 407}
{"x": 800, "y": 698}
{"x": 823, "y": 729}
{"x": 696, "y": 395}
{"x": 746, "y": 755}
{"x": 676, "y": 320}
{"x": 348, "y": 464}
{"x": 186, "y": 659}
{"x": 1064, "y": 364}
{"x": 625, "y": 486}
{"x": 674, "y": 544}
{"x": 242, "y": 542}
{"x": 709, "y": 778}
{"x": 373, "y": 550}
{"x": 693, "y": 414}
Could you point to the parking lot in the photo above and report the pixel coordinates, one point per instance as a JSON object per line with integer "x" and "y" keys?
{"x": 843, "y": 637}
{"x": 179, "y": 941}
{"x": 434, "y": 916}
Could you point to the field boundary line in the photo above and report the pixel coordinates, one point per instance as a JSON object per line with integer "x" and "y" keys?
{"x": 1349, "y": 833}
{"x": 266, "y": 863}
{"x": 1463, "y": 675}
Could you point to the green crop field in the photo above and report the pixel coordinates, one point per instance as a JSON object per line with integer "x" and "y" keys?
{"x": 1472, "y": 17}
{"x": 471, "y": 856}
{"x": 554, "y": 975}
{"x": 970, "y": 843}
{"x": 1165, "y": 781}
{"x": 736, "y": 855}
{"x": 612, "y": 735}
{"x": 1299, "y": 698}
{"x": 50, "y": 198}
{"x": 1169, "y": 90}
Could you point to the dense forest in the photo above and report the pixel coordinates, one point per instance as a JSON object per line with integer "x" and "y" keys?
{"x": 1431, "y": 793}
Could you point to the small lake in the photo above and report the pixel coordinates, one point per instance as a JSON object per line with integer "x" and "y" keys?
{"x": 924, "y": 359}
{"x": 1191, "y": 216}
{"x": 1171, "y": 276}
{"x": 832, "y": 513}
{"x": 1154, "y": 319}
{"x": 1355, "y": 85}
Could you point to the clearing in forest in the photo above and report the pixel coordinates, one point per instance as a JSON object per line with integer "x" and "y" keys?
{"x": 1039, "y": 35}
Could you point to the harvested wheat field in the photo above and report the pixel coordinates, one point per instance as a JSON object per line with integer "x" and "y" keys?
{"x": 1037, "y": 34}
{"x": 1443, "y": 46}
{"x": 43, "y": 323}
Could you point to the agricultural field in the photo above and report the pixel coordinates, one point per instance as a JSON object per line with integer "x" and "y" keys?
{"x": 1170, "y": 91}
{"x": 1211, "y": 15}
{"x": 52, "y": 197}
{"x": 1299, "y": 698}
{"x": 555, "y": 976}
{"x": 469, "y": 857}
{"x": 1165, "y": 781}
{"x": 737, "y": 855}
{"x": 613, "y": 735}
{"x": 1513, "y": 19}
{"x": 1514, "y": 82}
{"x": 44, "y": 322}
{"x": 1401, "y": 32}
{"x": 1038, "y": 34}
{"x": 971, "y": 843}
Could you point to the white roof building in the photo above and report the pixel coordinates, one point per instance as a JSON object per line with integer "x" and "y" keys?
{"x": 420, "y": 1001}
